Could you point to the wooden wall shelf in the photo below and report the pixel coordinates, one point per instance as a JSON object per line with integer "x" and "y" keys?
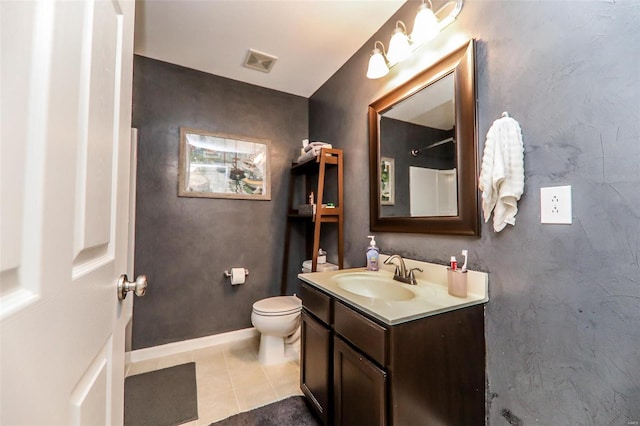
{"x": 329, "y": 158}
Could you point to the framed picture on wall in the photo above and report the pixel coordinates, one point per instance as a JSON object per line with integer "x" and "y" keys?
{"x": 387, "y": 181}
{"x": 217, "y": 165}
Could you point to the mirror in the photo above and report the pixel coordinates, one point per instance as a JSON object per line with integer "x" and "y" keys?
{"x": 423, "y": 151}
{"x": 217, "y": 165}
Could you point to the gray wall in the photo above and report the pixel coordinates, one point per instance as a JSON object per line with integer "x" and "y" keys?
{"x": 563, "y": 322}
{"x": 183, "y": 245}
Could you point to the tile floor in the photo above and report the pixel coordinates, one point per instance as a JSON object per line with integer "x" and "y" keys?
{"x": 230, "y": 379}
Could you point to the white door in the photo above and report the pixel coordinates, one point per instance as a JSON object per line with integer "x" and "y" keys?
{"x": 66, "y": 72}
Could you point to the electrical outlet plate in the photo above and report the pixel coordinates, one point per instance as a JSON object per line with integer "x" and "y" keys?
{"x": 555, "y": 204}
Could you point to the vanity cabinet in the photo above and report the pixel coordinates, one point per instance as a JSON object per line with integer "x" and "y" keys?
{"x": 316, "y": 351}
{"x": 357, "y": 370}
{"x": 359, "y": 386}
{"x": 315, "y": 365}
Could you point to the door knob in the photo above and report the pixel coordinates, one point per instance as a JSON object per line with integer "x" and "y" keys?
{"x": 139, "y": 286}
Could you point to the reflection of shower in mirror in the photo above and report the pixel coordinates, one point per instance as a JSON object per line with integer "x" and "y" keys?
{"x": 415, "y": 152}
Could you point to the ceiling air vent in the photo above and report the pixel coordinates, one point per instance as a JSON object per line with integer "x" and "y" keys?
{"x": 259, "y": 61}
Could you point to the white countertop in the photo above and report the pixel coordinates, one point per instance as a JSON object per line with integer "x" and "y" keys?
{"x": 431, "y": 293}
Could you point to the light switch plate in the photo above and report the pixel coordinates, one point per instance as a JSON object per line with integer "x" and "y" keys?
{"x": 555, "y": 205}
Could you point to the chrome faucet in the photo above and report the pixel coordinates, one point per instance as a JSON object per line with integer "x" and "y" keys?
{"x": 402, "y": 274}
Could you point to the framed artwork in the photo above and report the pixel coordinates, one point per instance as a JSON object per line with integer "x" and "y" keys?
{"x": 217, "y": 165}
{"x": 387, "y": 181}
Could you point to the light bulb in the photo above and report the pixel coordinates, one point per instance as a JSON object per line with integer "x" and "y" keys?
{"x": 377, "y": 65}
{"x": 425, "y": 27}
{"x": 399, "y": 47}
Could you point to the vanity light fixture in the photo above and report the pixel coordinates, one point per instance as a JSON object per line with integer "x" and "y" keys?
{"x": 377, "y": 62}
{"x": 426, "y": 27}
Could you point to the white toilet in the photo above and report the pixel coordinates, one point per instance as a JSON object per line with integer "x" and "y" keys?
{"x": 278, "y": 321}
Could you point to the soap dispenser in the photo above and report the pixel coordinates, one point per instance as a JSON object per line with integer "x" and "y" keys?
{"x": 372, "y": 255}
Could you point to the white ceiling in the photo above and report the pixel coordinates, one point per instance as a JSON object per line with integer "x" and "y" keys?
{"x": 311, "y": 38}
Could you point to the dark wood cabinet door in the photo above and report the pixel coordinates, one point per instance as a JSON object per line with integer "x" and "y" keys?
{"x": 315, "y": 367}
{"x": 360, "y": 388}
{"x": 438, "y": 366}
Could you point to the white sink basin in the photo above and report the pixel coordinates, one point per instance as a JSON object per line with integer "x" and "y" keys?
{"x": 373, "y": 285}
{"x": 392, "y": 302}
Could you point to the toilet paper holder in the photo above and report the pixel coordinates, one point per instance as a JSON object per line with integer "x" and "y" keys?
{"x": 228, "y": 273}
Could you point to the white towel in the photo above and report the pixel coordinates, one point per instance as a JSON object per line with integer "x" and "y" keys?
{"x": 313, "y": 152}
{"x": 308, "y": 147}
{"x": 502, "y": 174}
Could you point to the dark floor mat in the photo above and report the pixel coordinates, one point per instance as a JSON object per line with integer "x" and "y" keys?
{"x": 292, "y": 411}
{"x": 166, "y": 397}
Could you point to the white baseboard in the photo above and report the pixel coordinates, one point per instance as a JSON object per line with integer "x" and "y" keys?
{"x": 192, "y": 344}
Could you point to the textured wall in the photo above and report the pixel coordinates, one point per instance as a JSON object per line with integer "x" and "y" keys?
{"x": 563, "y": 322}
{"x": 185, "y": 244}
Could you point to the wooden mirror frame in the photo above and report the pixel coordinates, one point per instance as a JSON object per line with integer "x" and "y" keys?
{"x": 467, "y": 222}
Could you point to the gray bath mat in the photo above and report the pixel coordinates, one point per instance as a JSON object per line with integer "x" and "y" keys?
{"x": 166, "y": 397}
{"x": 292, "y": 411}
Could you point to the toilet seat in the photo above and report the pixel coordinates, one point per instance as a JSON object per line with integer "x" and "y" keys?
{"x": 278, "y": 306}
